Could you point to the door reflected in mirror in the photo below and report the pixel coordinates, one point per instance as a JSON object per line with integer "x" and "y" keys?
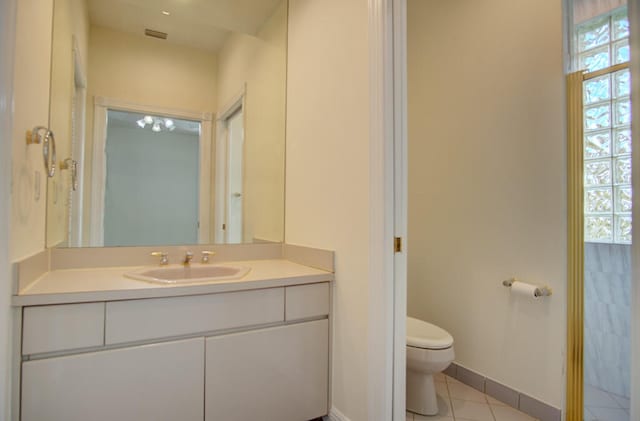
{"x": 179, "y": 137}
{"x": 151, "y": 163}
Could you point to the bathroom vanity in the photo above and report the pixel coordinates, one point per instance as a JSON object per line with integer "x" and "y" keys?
{"x": 98, "y": 345}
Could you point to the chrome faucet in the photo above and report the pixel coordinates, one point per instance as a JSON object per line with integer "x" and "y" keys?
{"x": 164, "y": 257}
{"x": 188, "y": 256}
{"x": 206, "y": 256}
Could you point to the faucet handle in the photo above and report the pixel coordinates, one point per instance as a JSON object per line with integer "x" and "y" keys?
{"x": 207, "y": 255}
{"x": 164, "y": 257}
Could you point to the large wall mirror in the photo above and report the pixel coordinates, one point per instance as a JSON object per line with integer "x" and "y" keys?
{"x": 169, "y": 118}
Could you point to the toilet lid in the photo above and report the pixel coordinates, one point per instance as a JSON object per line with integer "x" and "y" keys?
{"x": 421, "y": 334}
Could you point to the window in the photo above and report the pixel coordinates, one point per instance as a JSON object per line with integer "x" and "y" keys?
{"x": 601, "y": 43}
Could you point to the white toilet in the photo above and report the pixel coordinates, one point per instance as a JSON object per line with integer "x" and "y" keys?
{"x": 429, "y": 351}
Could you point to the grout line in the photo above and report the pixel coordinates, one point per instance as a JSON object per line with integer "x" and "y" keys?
{"x": 446, "y": 383}
{"x": 490, "y": 407}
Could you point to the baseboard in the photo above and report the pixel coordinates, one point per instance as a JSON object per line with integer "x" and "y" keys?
{"x": 514, "y": 398}
{"x": 335, "y": 415}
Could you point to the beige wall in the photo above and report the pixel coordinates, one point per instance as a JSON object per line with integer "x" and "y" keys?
{"x": 31, "y": 108}
{"x": 327, "y": 171}
{"x": 260, "y": 64}
{"x": 71, "y": 19}
{"x": 487, "y": 187}
{"x": 150, "y": 71}
{"x": 145, "y": 71}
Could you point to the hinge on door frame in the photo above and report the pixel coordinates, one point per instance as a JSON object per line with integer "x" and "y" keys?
{"x": 397, "y": 244}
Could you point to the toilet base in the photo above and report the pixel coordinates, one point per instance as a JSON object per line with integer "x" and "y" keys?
{"x": 421, "y": 393}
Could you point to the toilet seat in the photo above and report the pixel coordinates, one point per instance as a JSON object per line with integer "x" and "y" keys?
{"x": 421, "y": 334}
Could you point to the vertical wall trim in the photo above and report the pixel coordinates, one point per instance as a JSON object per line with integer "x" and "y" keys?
{"x": 7, "y": 47}
{"x": 634, "y": 19}
{"x": 380, "y": 394}
{"x": 575, "y": 243}
{"x": 401, "y": 168}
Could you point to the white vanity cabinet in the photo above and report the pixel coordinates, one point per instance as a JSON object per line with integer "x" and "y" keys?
{"x": 278, "y": 373}
{"x": 241, "y": 355}
{"x": 151, "y": 382}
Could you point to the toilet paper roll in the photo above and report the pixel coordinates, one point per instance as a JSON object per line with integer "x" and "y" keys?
{"x": 522, "y": 289}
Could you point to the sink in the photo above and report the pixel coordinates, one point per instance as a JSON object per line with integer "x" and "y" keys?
{"x": 179, "y": 274}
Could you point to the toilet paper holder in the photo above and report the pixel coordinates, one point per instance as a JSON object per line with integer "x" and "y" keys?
{"x": 544, "y": 291}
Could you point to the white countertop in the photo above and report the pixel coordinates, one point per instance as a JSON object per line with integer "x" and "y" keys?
{"x": 108, "y": 284}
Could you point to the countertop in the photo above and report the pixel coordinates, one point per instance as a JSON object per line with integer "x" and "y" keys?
{"x": 110, "y": 284}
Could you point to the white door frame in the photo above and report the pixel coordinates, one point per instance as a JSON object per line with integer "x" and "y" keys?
{"x": 388, "y": 215}
{"x": 74, "y": 236}
{"x": 634, "y": 17}
{"x": 236, "y": 103}
{"x": 7, "y": 47}
{"x": 98, "y": 178}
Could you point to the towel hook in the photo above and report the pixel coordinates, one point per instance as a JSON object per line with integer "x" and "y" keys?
{"x": 48, "y": 141}
{"x": 71, "y": 164}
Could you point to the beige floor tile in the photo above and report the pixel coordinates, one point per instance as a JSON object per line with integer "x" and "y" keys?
{"x": 471, "y": 411}
{"x": 460, "y": 390}
{"x": 409, "y": 416}
{"x": 418, "y": 417}
{"x": 444, "y": 410}
{"x": 442, "y": 390}
{"x": 506, "y": 413}
{"x": 439, "y": 377}
{"x": 494, "y": 402}
{"x": 444, "y": 406}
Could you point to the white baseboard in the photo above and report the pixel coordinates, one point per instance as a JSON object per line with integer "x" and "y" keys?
{"x": 335, "y": 415}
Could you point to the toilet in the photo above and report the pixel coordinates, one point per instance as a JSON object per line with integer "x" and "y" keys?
{"x": 429, "y": 351}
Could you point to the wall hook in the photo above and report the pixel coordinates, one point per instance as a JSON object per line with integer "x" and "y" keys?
{"x": 42, "y": 135}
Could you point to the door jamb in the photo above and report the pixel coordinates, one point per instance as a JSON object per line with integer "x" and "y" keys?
{"x": 238, "y": 102}
{"x": 634, "y": 40}
{"x": 388, "y": 209}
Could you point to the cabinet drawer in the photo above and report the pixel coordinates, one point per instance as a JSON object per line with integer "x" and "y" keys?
{"x": 137, "y": 320}
{"x": 62, "y": 327}
{"x": 304, "y": 301}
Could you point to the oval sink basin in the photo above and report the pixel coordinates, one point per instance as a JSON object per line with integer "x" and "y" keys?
{"x": 175, "y": 274}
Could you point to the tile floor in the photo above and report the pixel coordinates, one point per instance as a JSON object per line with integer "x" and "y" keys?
{"x": 459, "y": 402}
{"x": 603, "y": 406}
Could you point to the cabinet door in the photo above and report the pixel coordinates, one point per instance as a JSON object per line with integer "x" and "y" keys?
{"x": 279, "y": 373}
{"x": 151, "y": 382}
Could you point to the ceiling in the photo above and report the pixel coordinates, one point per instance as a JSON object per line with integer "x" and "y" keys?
{"x": 203, "y": 24}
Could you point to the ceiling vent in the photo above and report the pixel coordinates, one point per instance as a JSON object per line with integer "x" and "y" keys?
{"x": 155, "y": 34}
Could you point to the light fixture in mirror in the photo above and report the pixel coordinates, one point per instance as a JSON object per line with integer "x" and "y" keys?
{"x": 214, "y": 70}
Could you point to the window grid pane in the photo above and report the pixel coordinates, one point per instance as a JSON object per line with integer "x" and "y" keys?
{"x": 621, "y": 83}
{"x": 597, "y": 172}
{"x": 607, "y": 132}
{"x": 598, "y": 144}
{"x": 622, "y": 140}
{"x": 596, "y": 59}
{"x": 594, "y": 33}
{"x": 621, "y": 51}
{"x": 620, "y": 25}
